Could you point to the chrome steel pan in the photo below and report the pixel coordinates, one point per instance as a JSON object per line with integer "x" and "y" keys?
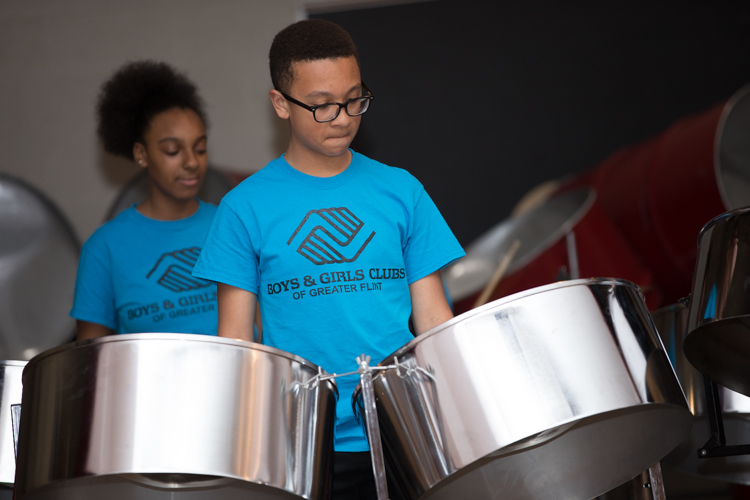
{"x": 560, "y": 392}
{"x": 10, "y": 394}
{"x": 718, "y": 341}
{"x": 38, "y": 262}
{"x": 671, "y": 322}
{"x": 173, "y": 416}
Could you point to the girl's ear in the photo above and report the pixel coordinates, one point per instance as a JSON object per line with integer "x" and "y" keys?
{"x": 139, "y": 154}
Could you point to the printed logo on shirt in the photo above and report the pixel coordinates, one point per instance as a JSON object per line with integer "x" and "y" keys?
{"x": 334, "y": 238}
{"x": 174, "y": 270}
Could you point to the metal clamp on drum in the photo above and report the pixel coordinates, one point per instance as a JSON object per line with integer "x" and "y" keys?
{"x": 157, "y": 416}
{"x": 561, "y": 392}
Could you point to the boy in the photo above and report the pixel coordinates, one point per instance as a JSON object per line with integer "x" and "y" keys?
{"x": 340, "y": 250}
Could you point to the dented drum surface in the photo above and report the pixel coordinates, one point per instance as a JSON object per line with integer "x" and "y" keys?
{"x": 559, "y": 392}
{"x": 173, "y": 416}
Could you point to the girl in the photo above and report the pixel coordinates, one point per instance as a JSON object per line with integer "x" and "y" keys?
{"x": 135, "y": 271}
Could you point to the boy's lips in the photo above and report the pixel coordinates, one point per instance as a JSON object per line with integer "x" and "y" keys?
{"x": 339, "y": 137}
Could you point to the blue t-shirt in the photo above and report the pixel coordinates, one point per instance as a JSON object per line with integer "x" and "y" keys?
{"x": 331, "y": 260}
{"x": 135, "y": 276}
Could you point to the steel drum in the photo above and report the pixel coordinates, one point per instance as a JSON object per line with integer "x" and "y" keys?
{"x": 173, "y": 416}
{"x": 38, "y": 262}
{"x": 560, "y": 392}
{"x": 718, "y": 340}
{"x": 10, "y": 394}
{"x": 671, "y": 322}
{"x": 545, "y": 254}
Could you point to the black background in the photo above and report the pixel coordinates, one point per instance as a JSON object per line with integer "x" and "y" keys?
{"x": 483, "y": 100}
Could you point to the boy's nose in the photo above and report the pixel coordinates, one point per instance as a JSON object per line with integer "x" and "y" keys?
{"x": 343, "y": 119}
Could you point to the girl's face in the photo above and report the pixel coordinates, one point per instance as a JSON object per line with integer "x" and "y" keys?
{"x": 174, "y": 154}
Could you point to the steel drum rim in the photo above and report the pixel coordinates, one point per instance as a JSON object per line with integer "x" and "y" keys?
{"x": 123, "y": 337}
{"x": 728, "y": 108}
{"x": 505, "y": 300}
{"x": 558, "y": 233}
{"x": 12, "y": 362}
{"x": 721, "y": 218}
{"x": 545, "y": 244}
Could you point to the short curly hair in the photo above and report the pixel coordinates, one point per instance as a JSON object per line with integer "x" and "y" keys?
{"x": 309, "y": 40}
{"x": 133, "y": 95}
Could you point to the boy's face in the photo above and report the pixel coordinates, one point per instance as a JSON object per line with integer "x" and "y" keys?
{"x": 320, "y": 82}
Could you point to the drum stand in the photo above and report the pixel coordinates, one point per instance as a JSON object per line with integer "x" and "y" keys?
{"x": 716, "y": 446}
{"x": 654, "y": 482}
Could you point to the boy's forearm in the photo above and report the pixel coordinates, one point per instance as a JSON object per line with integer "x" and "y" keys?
{"x": 429, "y": 307}
{"x": 236, "y": 312}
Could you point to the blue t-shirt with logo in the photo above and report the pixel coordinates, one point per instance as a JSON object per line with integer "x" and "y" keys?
{"x": 135, "y": 275}
{"x": 331, "y": 260}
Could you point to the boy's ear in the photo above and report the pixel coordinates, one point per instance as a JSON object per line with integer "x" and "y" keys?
{"x": 279, "y": 104}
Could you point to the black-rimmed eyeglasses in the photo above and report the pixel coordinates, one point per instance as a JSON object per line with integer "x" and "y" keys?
{"x": 330, "y": 111}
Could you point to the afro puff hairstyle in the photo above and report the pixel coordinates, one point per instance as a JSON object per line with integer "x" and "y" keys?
{"x": 310, "y": 40}
{"x": 130, "y": 99}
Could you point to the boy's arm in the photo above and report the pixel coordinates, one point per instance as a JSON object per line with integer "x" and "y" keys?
{"x": 236, "y": 312}
{"x": 89, "y": 330}
{"x": 429, "y": 307}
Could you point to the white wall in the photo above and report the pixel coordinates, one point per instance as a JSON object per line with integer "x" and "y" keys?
{"x": 54, "y": 55}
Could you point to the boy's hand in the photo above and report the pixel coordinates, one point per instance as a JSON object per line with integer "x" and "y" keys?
{"x": 429, "y": 307}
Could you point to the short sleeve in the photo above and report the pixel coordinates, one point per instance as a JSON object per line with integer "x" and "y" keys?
{"x": 430, "y": 244}
{"x": 228, "y": 255}
{"x": 94, "y": 295}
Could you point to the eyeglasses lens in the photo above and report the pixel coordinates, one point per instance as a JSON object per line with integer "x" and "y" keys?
{"x": 329, "y": 112}
{"x": 357, "y": 107}
{"x": 326, "y": 112}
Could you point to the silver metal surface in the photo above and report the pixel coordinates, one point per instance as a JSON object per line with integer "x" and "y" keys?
{"x": 732, "y": 151}
{"x": 373, "y": 434}
{"x": 718, "y": 340}
{"x": 38, "y": 262}
{"x": 173, "y": 416}
{"x": 537, "y": 230}
{"x": 10, "y": 394}
{"x": 671, "y": 322}
{"x": 560, "y": 392}
{"x": 215, "y": 185}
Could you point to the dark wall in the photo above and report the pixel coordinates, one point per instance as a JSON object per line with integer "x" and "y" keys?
{"x": 484, "y": 99}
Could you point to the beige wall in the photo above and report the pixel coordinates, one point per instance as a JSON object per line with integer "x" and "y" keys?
{"x": 54, "y": 55}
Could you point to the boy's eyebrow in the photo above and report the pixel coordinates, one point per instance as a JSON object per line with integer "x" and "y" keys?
{"x": 323, "y": 93}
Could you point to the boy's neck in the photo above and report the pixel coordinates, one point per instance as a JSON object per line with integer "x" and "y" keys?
{"x": 317, "y": 165}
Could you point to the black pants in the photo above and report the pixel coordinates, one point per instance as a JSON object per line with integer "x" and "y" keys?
{"x": 352, "y": 476}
